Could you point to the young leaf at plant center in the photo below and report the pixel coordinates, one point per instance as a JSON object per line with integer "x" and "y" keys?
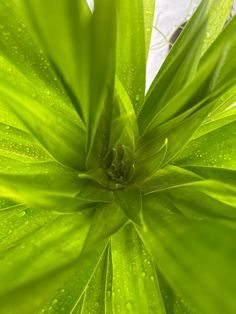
{"x": 124, "y": 125}
{"x": 178, "y": 135}
{"x": 151, "y": 164}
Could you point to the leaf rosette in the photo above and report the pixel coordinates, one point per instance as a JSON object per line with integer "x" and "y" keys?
{"x": 113, "y": 200}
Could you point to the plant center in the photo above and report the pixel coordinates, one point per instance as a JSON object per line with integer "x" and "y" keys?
{"x": 121, "y": 167}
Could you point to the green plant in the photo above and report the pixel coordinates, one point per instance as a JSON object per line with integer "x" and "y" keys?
{"x": 113, "y": 201}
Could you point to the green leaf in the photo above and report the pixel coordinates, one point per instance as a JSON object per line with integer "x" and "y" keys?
{"x": 196, "y": 204}
{"x": 176, "y": 76}
{"x": 8, "y": 118}
{"x": 92, "y": 257}
{"x": 148, "y": 10}
{"x": 219, "y": 174}
{"x": 26, "y": 150}
{"x": 58, "y": 239}
{"x": 134, "y": 275}
{"x": 219, "y": 12}
{"x": 178, "y": 133}
{"x": 81, "y": 276}
{"x": 107, "y": 220}
{"x": 69, "y": 52}
{"x": 102, "y": 79}
{"x": 217, "y": 120}
{"x": 187, "y": 251}
{"x": 124, "y": 127}
{"x": 221, "y": 41}
{"x": 61, "y": 239}
{"x": 196, "y": 108}
{"x": 96, "y": 292}
{"x": 215, "y": 149}
{"x": 78, "y": 259}
{"x": 223, "y": 192}
{"x": 131, "y": 62}
{"x": 48, "y": 185}
{"x": 148, "y": 166}
{"x": 181, "y": 64}
{"x": 130, "y": 200}
{"x": 35, "y": 84}
{"x": 167, "y": 178}
{"x": 63, "y": 144}
{"x": 174, "y": 304}
{"x": 97, "y": 212}
{"x": 54, "y": 191}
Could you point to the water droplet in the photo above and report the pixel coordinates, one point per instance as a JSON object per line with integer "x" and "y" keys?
{"x": 129, "y": 307}
{"x": 54, "y": 301}
{"x": 21, "y": 214}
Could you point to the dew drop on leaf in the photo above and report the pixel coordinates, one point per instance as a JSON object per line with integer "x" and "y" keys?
{"x": 129, "y": 307}
{"x": 54, "y": 301}
{"x": 21, "y": 213}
